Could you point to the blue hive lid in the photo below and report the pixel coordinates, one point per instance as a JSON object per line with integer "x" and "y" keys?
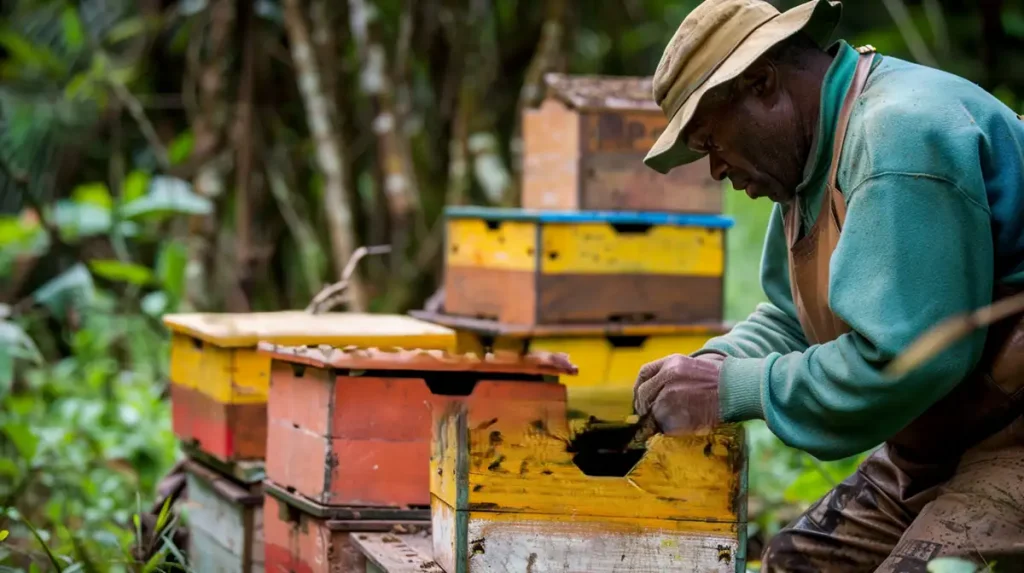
{"x": 613, "y": 217}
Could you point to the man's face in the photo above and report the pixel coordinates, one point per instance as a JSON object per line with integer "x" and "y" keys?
{"x": 748, "y": 128}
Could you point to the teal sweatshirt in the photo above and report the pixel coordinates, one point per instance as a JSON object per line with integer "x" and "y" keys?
{"x": 932, "y": 176}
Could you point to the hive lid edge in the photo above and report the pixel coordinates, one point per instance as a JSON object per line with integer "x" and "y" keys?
{"x": 612, "y": 217}
{"x": 235, "y": 330}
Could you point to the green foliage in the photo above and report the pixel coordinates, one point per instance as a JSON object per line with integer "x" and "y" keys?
{"x": 84, "y": 435}
{"x": 72, "y": 288}
{"x": 166, "y": 197}
{"x": 124, "y": 272}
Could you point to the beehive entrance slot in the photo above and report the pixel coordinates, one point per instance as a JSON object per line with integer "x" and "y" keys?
{"x": 635, "y": 318}
{"x": 449, "y": 384}
{"x": 603, "y": 450}
{"x": 627, "y": 341}
{"x": 492, "y": 225}
{"x": 631, "y": 228}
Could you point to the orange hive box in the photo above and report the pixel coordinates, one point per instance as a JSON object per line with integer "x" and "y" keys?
{"x": 583, "y": 150}
{"x": 352, "y": 427}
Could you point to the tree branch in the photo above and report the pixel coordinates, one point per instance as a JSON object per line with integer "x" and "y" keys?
{"x": 901, "y": 16}
{"x": 138, "y": 113}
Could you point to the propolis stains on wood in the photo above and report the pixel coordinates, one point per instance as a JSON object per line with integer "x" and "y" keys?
{"x": 507, "y": 495}
{"x": 220, "y": 382}
{"x": 546, "y": 267}
{"x": 583, "y": 149}
{"x": 352, "y": 427}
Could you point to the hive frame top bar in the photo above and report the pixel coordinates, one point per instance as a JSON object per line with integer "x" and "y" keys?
{"x": 353, "y": 358}
{"x": 299, "y": 327}
{"x": 613, "y": 217}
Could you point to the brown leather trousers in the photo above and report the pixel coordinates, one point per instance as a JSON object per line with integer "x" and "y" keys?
{"x": 885, "y": 518}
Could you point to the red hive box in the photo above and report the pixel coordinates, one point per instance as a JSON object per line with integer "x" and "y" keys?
{"x": 304, "y": 537}
{"x": 353, "y": 427}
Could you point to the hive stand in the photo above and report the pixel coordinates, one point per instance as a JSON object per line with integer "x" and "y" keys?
{"x": 509, "y": 495}
{"x": 609, "y": 355}
{"x": 220, "y": 383}
{"x": 543, "y": 267}
{"x": 583, "y": 150}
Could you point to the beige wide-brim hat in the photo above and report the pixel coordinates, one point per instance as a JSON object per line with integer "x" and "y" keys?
{"x": 715, "y": 44}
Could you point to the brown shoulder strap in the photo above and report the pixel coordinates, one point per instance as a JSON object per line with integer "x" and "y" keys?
{"x": 860, "y": 78}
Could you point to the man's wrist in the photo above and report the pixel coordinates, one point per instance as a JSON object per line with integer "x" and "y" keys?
{"x": 739, "y": 389}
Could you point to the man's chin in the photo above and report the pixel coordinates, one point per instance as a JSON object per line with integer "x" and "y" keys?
{"x": 755, "y": 191}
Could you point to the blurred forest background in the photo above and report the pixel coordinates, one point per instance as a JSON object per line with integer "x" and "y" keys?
{"x": 161, "y": 155}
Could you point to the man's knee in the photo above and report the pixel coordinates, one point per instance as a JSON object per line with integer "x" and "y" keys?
{"x": 782, "y": 554}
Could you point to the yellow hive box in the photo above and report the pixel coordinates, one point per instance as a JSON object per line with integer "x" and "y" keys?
{"x": 216, "y": 355}
{"x": 549, "y": 267}
{"x": 609, "y": 356}
{"x": 520, "y": 492}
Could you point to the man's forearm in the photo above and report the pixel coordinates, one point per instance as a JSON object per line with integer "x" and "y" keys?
{"x": 765, "y": 331}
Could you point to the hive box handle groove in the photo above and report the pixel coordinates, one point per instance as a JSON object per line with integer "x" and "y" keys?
{"x": 623, "y": 341}
{"x": 632, "y": 228}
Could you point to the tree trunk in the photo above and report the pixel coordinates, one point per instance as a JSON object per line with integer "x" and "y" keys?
{"x": 320, "y": 115}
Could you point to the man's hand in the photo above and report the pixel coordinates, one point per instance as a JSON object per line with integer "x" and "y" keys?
{"x": 681, "y": 392}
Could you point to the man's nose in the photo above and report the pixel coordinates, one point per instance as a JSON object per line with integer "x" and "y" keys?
{"x": 718, "y": 167}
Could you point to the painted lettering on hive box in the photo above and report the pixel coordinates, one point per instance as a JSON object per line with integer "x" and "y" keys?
{"x": 623, "y": 131}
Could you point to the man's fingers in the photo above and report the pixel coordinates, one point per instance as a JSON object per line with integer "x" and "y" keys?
{"x": 647, "y": 371}
{"x": 647, "y": 392}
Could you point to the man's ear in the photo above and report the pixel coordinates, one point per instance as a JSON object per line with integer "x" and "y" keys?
{"x": 761, "y": 79}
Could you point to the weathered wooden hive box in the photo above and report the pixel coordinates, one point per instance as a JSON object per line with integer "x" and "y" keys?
{"x": 547, "y": 267}
{"x": 225, "y": 522}
{"x": 220, "y": 382}
{"x": 609, "y": 355}
{"x": 515, "y": 495}
{"x": 583, "y": 150}
{"x": 349, "y": 438}
{"x": 352, "y": 427}
{"x": 302, "y": 536}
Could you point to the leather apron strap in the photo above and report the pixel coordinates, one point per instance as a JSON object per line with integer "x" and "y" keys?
{"x": 810, "y": 255}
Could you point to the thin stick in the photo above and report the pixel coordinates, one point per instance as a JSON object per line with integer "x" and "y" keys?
{"x": 330, "y": 295}
{"x": 941, "y": 337}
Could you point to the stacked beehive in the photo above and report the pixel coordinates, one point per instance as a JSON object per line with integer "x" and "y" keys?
{"x": 350, "y": 436}
{"x": 219, "y": 393}
{"x": 608, "y": 260}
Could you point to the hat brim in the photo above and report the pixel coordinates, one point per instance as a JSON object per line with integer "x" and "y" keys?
{"x": 818, "y": 19}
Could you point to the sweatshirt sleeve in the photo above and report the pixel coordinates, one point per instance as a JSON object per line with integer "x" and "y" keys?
{"x": 915, "y": 249}
{"x": 773, "y": 326}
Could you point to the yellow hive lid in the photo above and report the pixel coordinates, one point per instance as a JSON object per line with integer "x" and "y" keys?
{"x": 301, "y": 328}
